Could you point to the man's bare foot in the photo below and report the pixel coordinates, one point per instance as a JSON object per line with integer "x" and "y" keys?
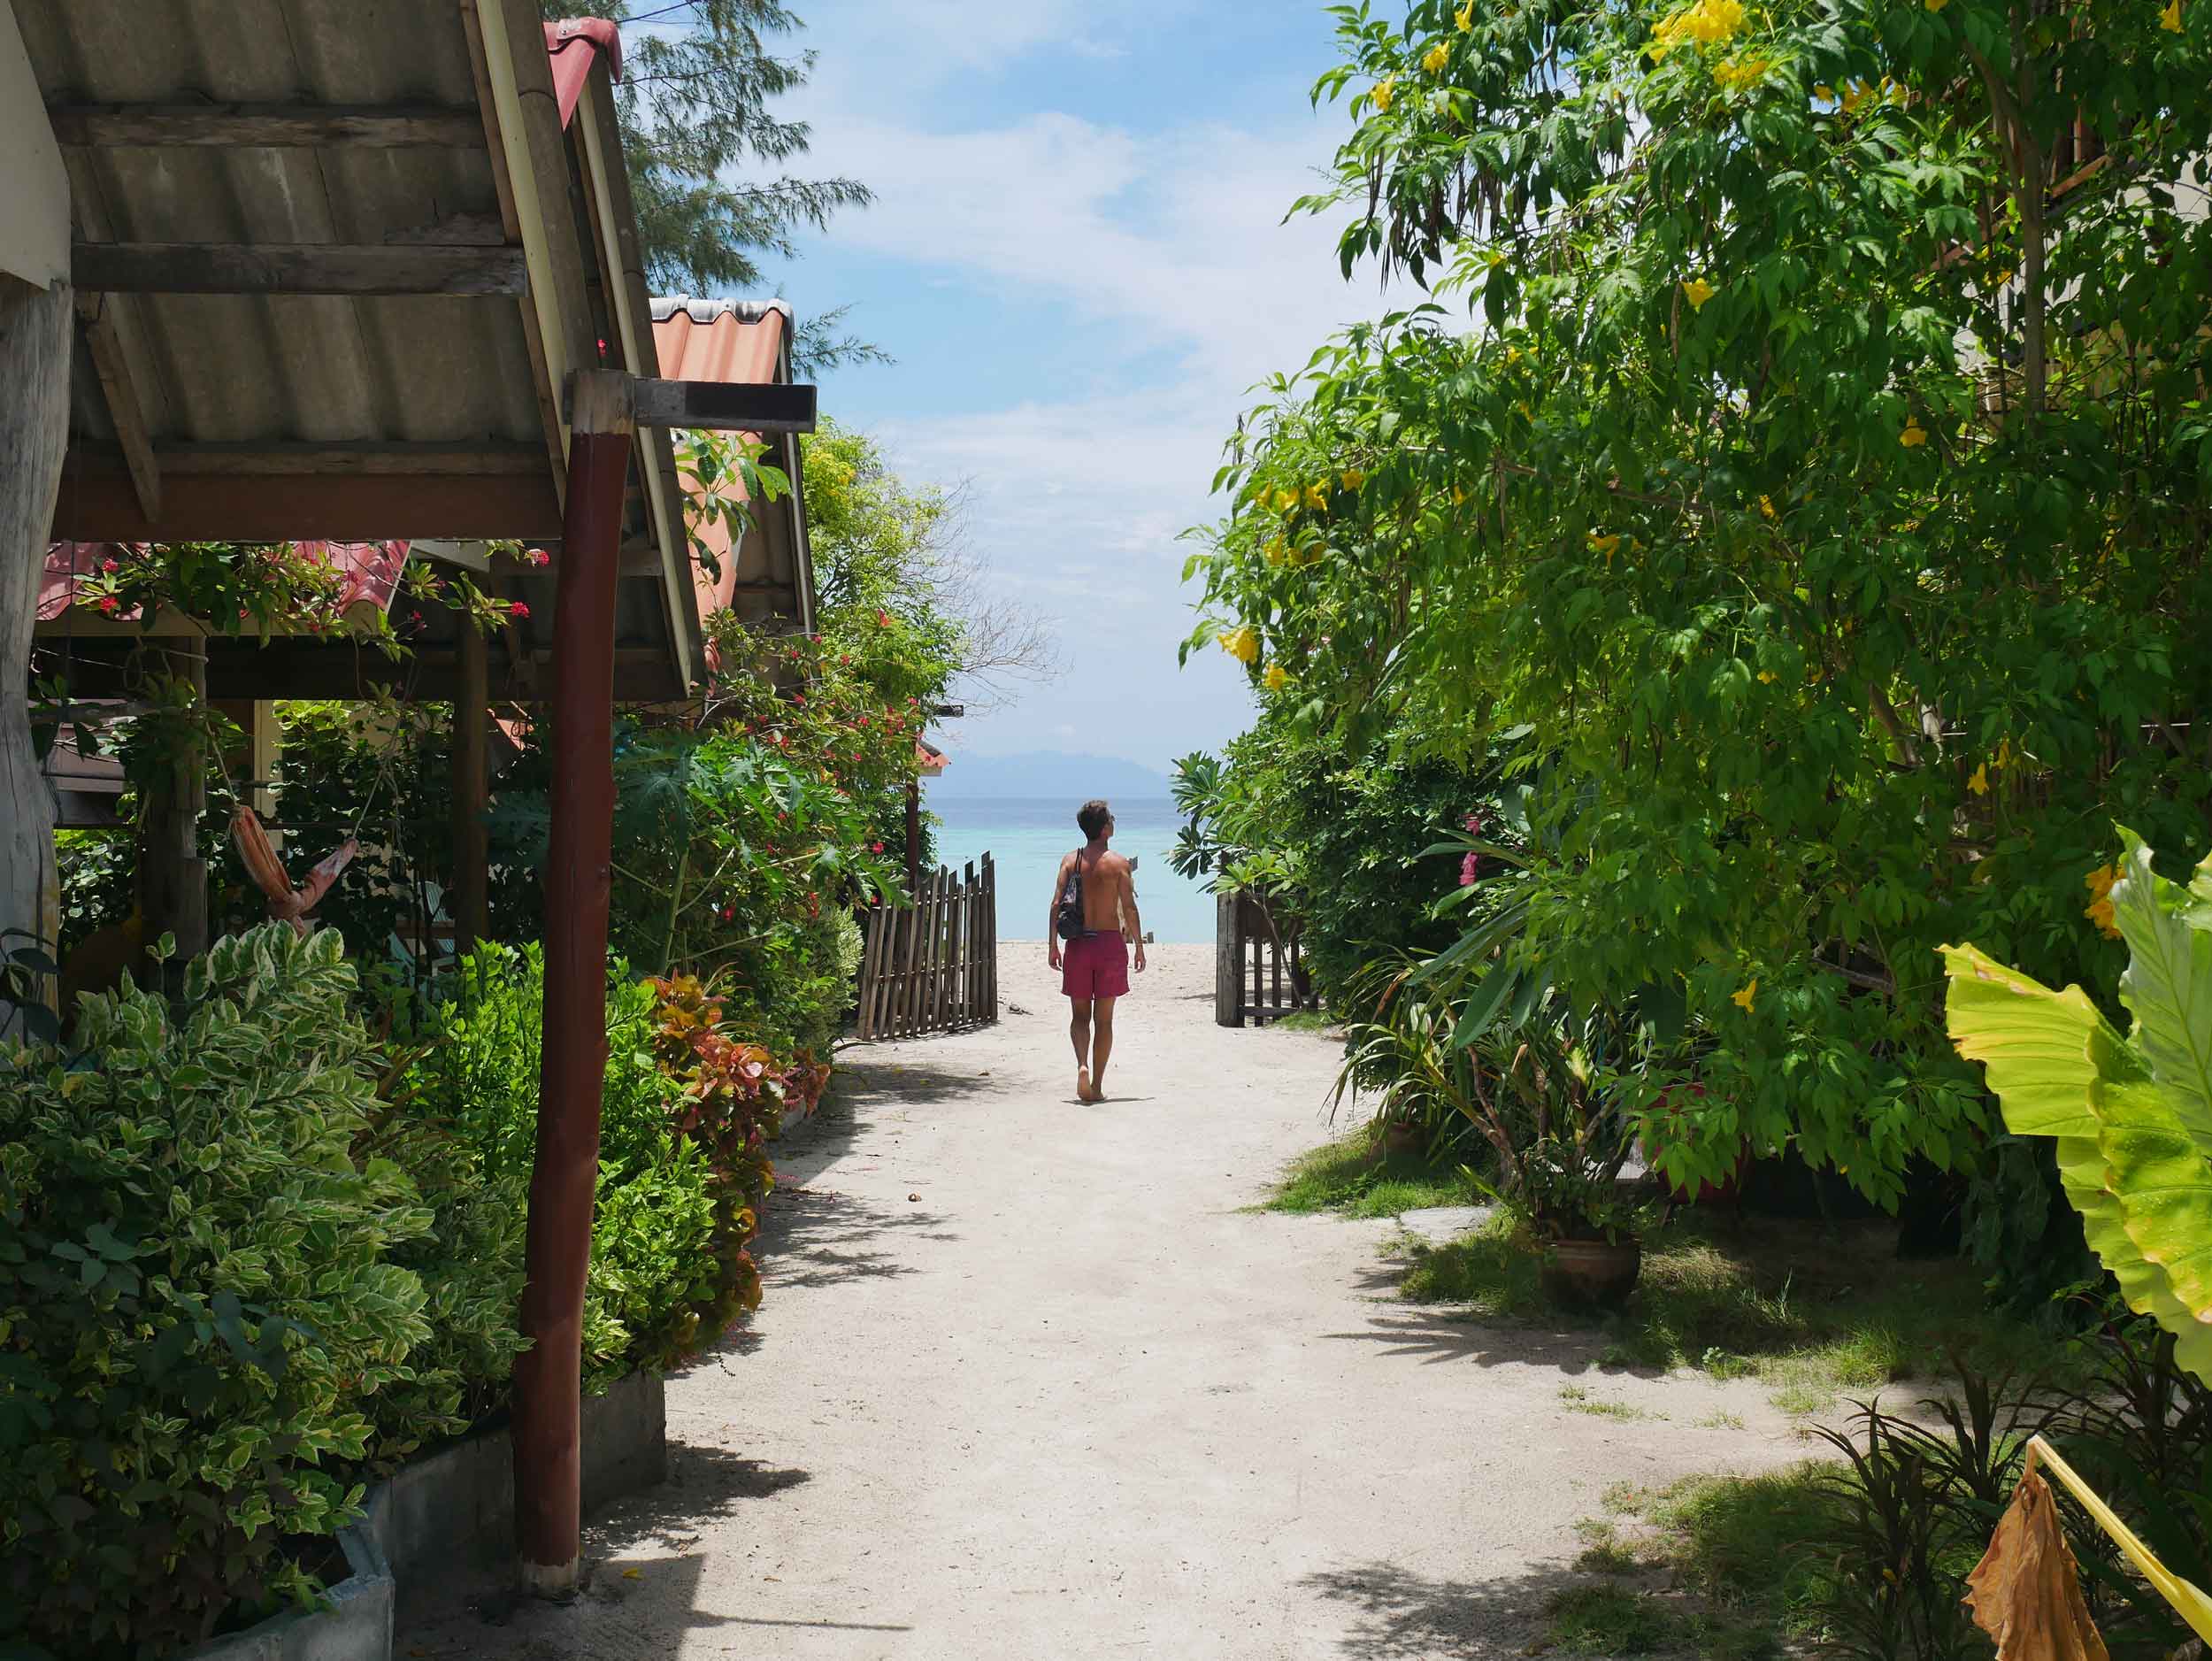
{"x": 1082, "y": 1084}
{"x": 1098, "y": 1090}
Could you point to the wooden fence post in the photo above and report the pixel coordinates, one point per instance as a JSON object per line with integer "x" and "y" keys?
{"x": 1228, "y": 963}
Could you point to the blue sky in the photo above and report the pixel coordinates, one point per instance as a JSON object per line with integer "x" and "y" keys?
{"x": 1077, "y": 259}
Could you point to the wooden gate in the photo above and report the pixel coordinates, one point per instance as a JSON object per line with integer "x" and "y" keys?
{"x": 1258, "y": 977}
{"x": 932, "y": 966}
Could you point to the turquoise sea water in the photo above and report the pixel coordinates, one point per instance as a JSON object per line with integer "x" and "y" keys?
{"x": 1027, "y": 837}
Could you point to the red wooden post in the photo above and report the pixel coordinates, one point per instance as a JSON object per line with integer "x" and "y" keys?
{"x": 549, "y": 1462}
{"x": 914, "y": 839}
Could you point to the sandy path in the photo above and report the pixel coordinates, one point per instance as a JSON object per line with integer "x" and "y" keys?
{"x": 1029, "y": 1383}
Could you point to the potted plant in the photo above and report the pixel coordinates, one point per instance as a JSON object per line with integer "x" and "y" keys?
{"x": 1561, "y": 1141}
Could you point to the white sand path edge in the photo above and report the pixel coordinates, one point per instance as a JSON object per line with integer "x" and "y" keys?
{"x": 1031, "y": 1381}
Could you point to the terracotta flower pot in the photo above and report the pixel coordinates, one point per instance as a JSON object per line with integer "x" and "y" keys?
{"x": 1600, "y": 1273}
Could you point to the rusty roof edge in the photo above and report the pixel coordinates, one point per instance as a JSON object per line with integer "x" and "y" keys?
{"x": 602, "y": 146}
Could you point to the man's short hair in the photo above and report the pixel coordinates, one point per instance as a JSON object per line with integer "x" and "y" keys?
{"x": 1092, "y": 816}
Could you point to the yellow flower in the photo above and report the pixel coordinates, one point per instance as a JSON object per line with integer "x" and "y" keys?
{"x": 1286, "y": 500}
{"x": 1912, "y": 437}
{"x": 1458, "y": 495}
{"x": 1241, "y": 644}
{"x": 1276, "y": 677}
{"x": 2098, "y": 910}
{"x": 1742, "y": 999}
{"x": 1464, "y": 18}
{"x": 1766, "y": 507}
{"x": 1697, "y": 291}
{"x": 1978, "y": 783}
{"x": 1385, "y": 90}
{"x": 1353, "y": 477}
{"x": 2169, "y": 20}
{"x": 1935, "y": 6}
{"x": 1854, "y": 94}
{"x": 1316, "y": 496}
{"x": 1767, "y": 677}
{"x": 2004, "y": 754}
{"x": 1607, "y": 545}
{"x": 1434, "y": 59}
{"x": 1277, "y": 551}
{"x": 1825, "y": 94}
{"x": 1707, "y": 22}
{"x": 1739, "y": 73}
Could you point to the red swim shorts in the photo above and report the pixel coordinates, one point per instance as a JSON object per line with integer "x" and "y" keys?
{"x": 1095, "y": 967}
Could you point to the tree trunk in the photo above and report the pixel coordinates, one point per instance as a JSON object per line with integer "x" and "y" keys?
{"x": 35, "y": 350}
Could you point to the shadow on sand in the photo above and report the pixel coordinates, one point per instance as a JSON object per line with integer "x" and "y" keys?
{"x": 1395, "y": 1613}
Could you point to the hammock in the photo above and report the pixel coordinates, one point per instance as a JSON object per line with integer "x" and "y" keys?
{"x": 287, "y": 904}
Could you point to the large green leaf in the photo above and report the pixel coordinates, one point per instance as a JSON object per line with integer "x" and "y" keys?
{"x": 2163, "y": 1184}
{"x": 2168, "y": 986}
{"x": 2045, "y": 1050}
{"x": 2059, "y": 1069}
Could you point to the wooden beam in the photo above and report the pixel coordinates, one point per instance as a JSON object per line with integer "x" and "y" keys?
{"x": 364, "y": 268}
{"x": 125, "y": 410}
{"x": 274, "y": 126}
{"x": 297, "y": 666}
{"x": 729, "y": 406}
{"x": 366, "y": 460}
{"x": 99, "y": 506}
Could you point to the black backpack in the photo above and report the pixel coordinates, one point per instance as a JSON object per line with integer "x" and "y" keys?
{"x": 1067, "y": 918}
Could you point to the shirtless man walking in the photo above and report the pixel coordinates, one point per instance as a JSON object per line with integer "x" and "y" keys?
{"x": 1095, "y": 970}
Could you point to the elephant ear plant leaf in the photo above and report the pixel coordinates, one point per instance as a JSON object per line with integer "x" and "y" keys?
{"x": 2130, "y": 1117}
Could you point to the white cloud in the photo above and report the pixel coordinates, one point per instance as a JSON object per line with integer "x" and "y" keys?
{"x": 1173, "y": 245}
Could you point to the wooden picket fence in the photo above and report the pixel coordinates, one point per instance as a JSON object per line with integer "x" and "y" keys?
{"x": 1258, "y": 979}
{"x": 932, "y": 966}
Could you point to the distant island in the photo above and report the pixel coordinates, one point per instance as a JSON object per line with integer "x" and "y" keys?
{"x": 1045, "y": 774}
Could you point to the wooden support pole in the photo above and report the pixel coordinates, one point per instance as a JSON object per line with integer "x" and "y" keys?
{"x": 914, "y": 840}
{"x": 469, "y": 903}
{"x": 556, "y": 1250}
{"x": 35, "y": 352}
{"x": 171, "y": 873}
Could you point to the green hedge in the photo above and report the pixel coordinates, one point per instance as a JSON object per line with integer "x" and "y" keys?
{"x": 251, "y": 1257}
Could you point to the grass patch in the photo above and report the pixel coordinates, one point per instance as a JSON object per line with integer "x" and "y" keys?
{"x": 1816, "y": 1313}
{"x": 1304, "y": 1021}
{"x": 1609, "y": 1620}
{"x": 1347, "y": 1177}
{"x": 1603, "y": 1551}
{"x": 1579, "y": 1400}
{"x": 1742, "y": 1557}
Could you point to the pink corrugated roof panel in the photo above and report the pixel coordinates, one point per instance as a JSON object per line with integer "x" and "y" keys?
{"x": 368, "y": 571}
{"x": 575, "y": 45}
{"x": 728, "y": 346}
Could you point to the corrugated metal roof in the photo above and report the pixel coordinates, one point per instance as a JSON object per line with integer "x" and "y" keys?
{"x": 770, "y": 579}
{"x": 235, "y": 368}
{"x": 283, "y": 416}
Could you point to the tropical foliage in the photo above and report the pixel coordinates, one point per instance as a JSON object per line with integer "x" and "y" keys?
{"x": 2132, "y": 1117}
{"x": 1824, "y": 479}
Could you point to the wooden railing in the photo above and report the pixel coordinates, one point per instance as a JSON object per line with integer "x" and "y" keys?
{"x": 1259, "y": 975}
{"x": 932, "y": 966}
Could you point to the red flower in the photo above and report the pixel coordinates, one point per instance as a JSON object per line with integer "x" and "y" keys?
{"x": 539, "y": 557}
{"x": 883, "y": 619}
{"x": 111, "y": 604}
{"x": 517, "y": 610}
{"x": 875, "y": 848}
{"x": 109, "y": 565}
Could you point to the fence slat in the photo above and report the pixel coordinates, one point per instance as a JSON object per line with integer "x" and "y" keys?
{"x": 932, "y": 965}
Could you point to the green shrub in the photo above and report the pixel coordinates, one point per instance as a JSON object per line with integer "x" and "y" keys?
{"x": 475, "y": 1078}
{"x": 199, "y": 1304}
